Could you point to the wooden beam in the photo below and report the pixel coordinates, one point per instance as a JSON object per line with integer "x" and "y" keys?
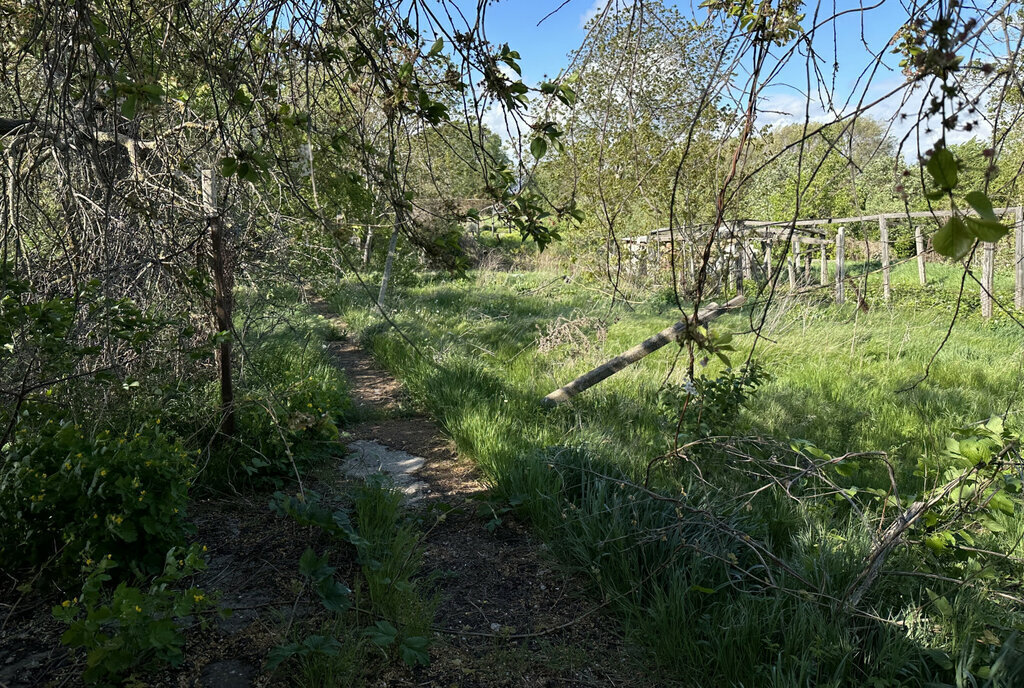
{"x": 823, "y": 277}
{"x": 791, "y": 264}
{"x": 919, "y": 242}
{"x": 738, "y": 268}
{"x": 840, "y": 266}
{"x": 679, "y": 331}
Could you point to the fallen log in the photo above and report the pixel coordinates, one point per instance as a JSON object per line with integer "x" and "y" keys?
{"x": 648, "y": 346}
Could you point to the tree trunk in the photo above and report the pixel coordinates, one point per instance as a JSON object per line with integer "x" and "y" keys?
{"x": 223, "y": 300}
{"x": 670, "y": 334}
{"x": 368, "y": 245}
{"x": 387, "y": 266}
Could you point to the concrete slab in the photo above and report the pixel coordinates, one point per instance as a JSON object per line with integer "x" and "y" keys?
{"x": 367, "y": 458}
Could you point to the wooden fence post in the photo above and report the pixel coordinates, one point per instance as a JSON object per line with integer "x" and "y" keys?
{"x": 919, "y": 242}
{"x": 987, "y": 270}
{"x": 883, "y": 233}
{"x": 1018, "y": 259}
{"x": 840, "y": 265}
{"x": 790, "y": 265}
{"x": 223, "y": 300}
{"x": 823, "y": 277}
{"x": 738, "y": 267}
{"x": 747, "y": 259}
{"x": 768, "y": 257}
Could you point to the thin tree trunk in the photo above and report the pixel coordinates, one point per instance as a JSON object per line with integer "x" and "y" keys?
{"x": 223, "y": 301}
{"x": 387, "y": 266}
{"x": 680, "y": 330}
{"x": 368, "y": 245}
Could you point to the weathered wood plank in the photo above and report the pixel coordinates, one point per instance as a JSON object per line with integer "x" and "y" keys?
{"x": 883, "y": 232}
{"x": 840, "y": 266}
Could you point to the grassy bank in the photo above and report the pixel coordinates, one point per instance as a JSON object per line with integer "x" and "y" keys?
{"x": 671, "y": 565}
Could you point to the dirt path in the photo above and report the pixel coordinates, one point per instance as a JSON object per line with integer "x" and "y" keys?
{"x": 513, "y": 620}
{"x": 506, "y": 617}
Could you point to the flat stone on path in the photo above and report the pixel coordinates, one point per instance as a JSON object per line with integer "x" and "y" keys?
{"x": 367, "y": 458}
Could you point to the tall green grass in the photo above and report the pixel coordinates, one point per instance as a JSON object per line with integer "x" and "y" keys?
{"x": 845, "y": 380}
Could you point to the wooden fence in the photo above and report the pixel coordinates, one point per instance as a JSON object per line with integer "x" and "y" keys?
{"x": 737, "y": 238}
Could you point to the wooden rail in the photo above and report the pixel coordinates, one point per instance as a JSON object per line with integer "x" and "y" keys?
{"x": 808, "y": 233}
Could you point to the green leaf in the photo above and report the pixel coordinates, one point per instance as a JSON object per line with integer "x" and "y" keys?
{"x": 941, "y": 603}
{"x": 281, "y": 653}
{"x": 228, "y": 166}
{"x": 538, "y": 147}
{"x": 942, "y": 167}
{"x": 333, "y": 595}
{"x": 940, "y": 658}
{"x": 940, "y": 542}
{"x": 129, "y": 105}
{"x": 987, "y": 230}
{"x": 995, "y": 425}
{"x": 323, "y": 645}
{"x": 314, "y": 567}
{"x": 240, "y": 97}
{"x": 982, "y": 205}
{"x": 953, "y": 240}
{"x": 381, "y": 634}
{"x": 414, "y": 651}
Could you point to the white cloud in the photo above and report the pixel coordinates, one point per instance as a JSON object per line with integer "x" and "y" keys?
{"x": 901, "y": 112}
{"x": 599, "y": 7}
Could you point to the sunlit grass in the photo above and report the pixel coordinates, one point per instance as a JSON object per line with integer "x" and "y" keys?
{"x": 843, "y": 379}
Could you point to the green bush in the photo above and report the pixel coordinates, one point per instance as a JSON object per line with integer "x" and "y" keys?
{"x": 132, "y": 627}
{"x": 70, "y": 496}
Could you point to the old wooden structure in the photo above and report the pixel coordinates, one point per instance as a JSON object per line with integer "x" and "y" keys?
{"x": 746, "y": 249}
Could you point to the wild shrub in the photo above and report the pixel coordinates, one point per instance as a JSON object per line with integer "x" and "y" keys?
{"x": 707, "y": 406}
{"x": 71, "y": 496}
{"x": 133, "y": 627}
{"x": 291, "y": 401}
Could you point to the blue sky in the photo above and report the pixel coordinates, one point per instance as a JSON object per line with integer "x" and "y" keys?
{"x": 544, "y": 48}
{"x": 849, "y": 40}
